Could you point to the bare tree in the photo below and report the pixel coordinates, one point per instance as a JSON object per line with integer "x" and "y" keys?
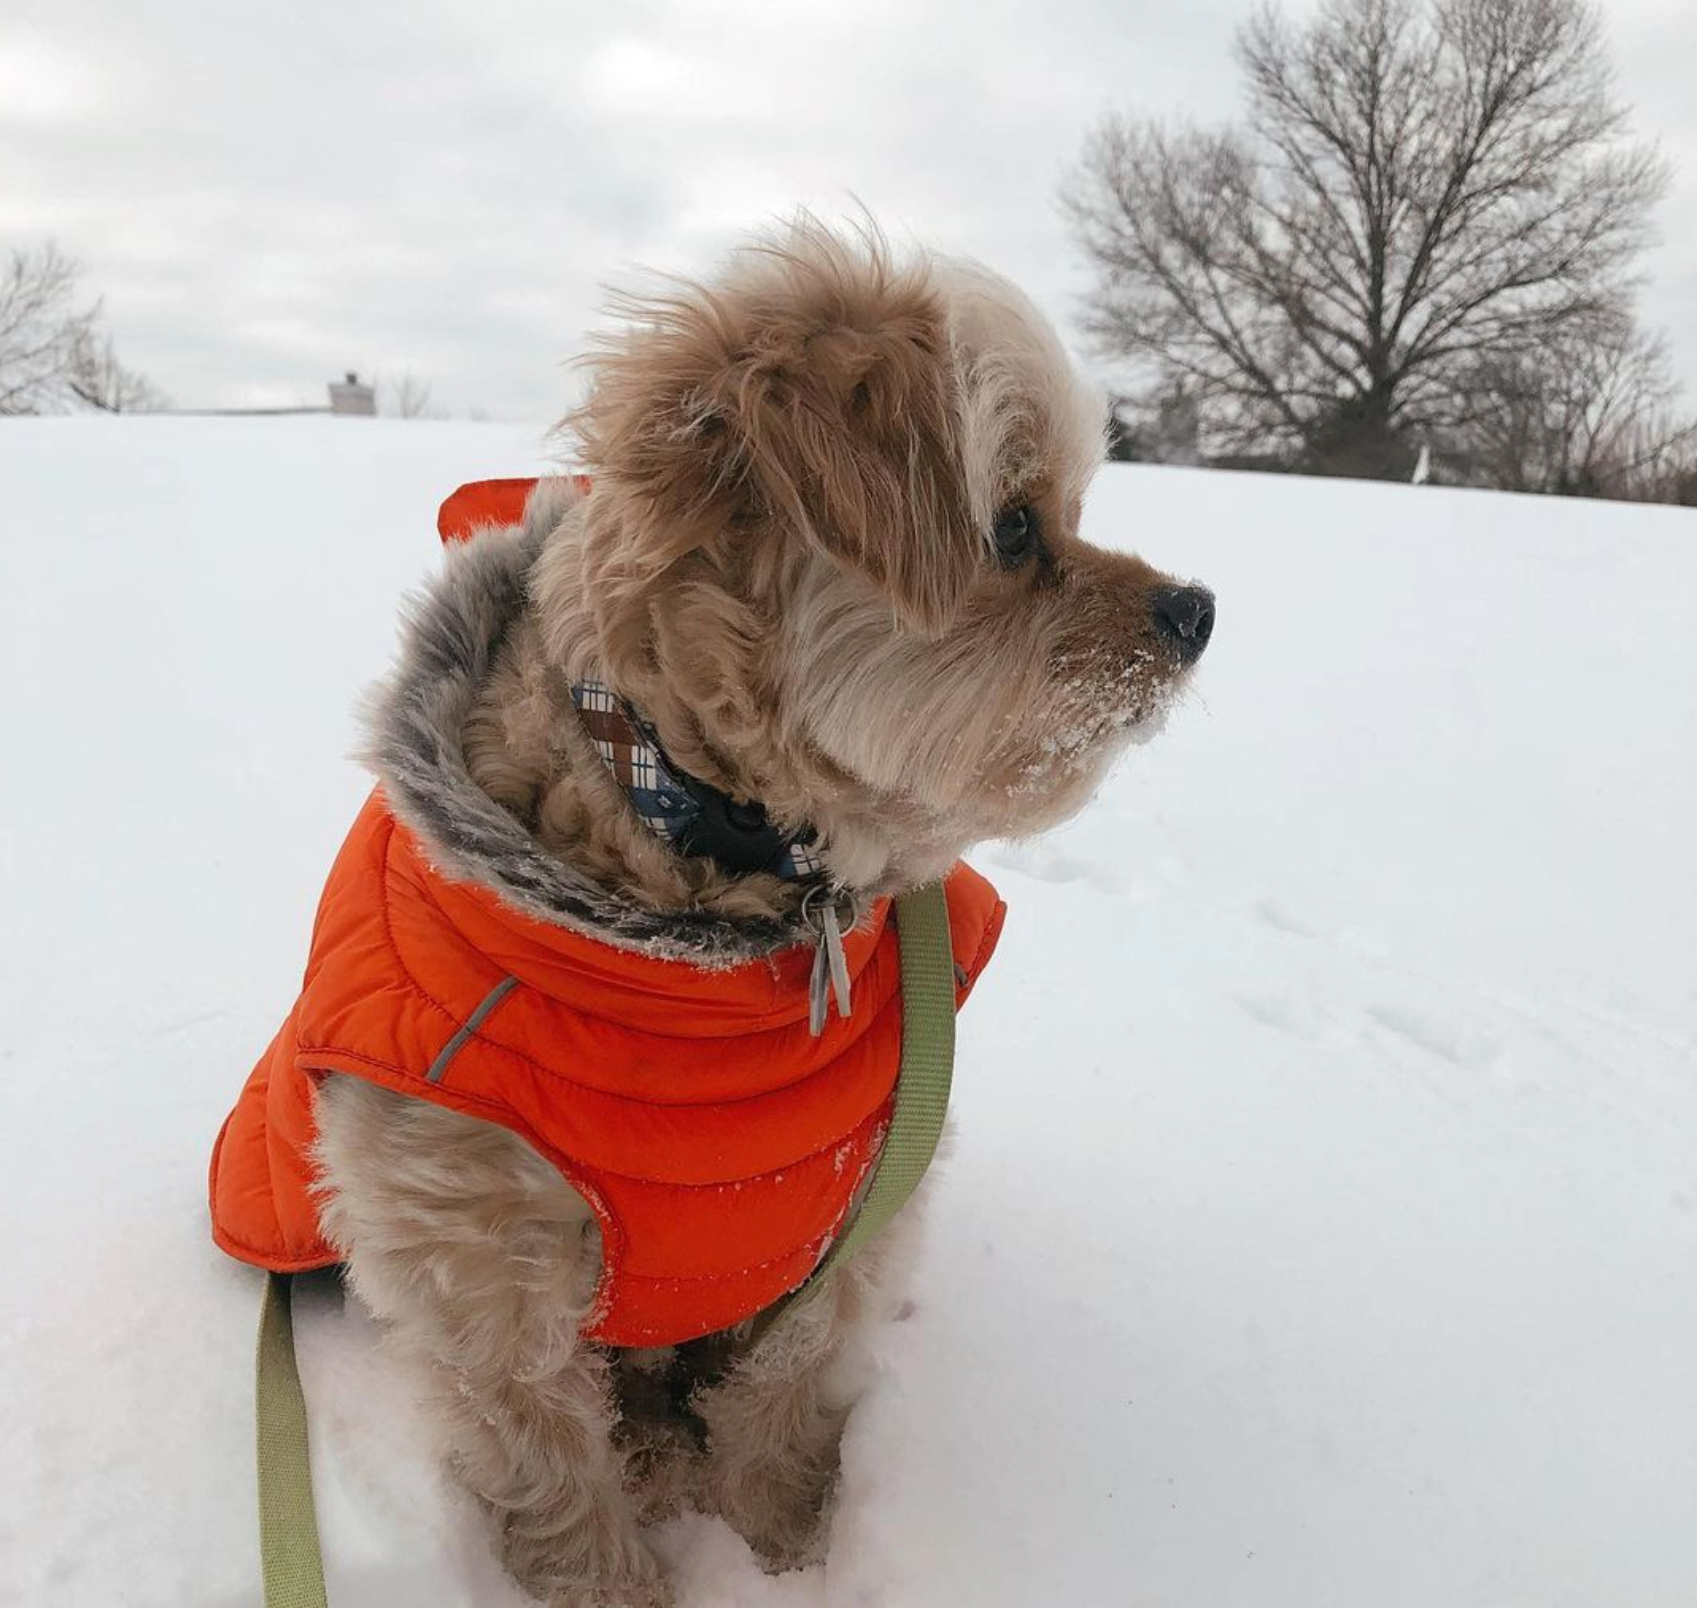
{"x": 96, "y": 378}
{"x": 1425, "y": 188}
{"x": 53, "y": 354}
{"x": 1589, "y": 414}
{"x": 408, "y": 397}
{"x": 40, "y": 326}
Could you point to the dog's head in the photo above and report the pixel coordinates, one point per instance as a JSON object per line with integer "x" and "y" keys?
{"x": 832, "y": 550}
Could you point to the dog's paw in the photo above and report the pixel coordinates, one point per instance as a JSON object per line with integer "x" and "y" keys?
{"x": 618, "y": 1572}
{"x": 605, "y": 1594}
{"x": 615, "y": 1594}
{"x": 782, "y": 1511}
{"x": 651, "y": 1592}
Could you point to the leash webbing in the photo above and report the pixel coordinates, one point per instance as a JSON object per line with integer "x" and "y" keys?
{"x": 927, "y": 1068}
{"x": 922, "y": 1086}
{"x": 290, "y": 1559}
{"x": 288, "y": 1526}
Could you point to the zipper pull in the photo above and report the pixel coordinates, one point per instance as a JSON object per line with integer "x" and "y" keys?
{"x": 823, "y": 909}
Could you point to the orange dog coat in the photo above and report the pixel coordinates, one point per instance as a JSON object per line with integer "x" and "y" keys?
{"x": 719, "y": 1143}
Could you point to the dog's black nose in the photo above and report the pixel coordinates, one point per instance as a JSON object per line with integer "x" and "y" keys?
{"x": 1186, "y": 614}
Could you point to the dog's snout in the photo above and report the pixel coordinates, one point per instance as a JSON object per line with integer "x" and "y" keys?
{"x": 1186, "y": 614}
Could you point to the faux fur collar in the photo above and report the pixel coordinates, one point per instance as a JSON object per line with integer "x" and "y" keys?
{"x": 416, "y": 719}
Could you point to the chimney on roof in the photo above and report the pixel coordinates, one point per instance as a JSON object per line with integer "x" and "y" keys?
{"x": 351, "y": 397}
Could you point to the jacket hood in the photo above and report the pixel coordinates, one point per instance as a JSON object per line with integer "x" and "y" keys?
{"x": 451, "y": 633}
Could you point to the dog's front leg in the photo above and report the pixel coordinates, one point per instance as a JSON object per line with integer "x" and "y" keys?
{"x": 482, "y": 1262}
{"x": 775, "y": 1422}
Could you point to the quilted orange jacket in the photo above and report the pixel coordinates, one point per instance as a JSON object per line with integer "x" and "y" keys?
{"x": 719, "y": 1143}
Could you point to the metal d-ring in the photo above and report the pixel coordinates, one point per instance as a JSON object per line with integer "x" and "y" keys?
{"x": 843, "y": 902}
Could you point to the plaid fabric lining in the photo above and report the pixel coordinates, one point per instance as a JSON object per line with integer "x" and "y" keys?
{"x": 654, "y": 789}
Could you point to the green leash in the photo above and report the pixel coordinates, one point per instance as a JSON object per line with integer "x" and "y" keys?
{"x": 927, "y": 1070}
{"x": 288, "y": 1527}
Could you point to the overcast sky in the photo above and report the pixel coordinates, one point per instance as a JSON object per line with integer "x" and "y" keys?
{"x": 266, "y": 195}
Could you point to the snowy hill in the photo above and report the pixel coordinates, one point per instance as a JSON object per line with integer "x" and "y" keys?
{"x": 1322, "y": 1227}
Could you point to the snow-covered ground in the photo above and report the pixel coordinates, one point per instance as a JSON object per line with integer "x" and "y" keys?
{"x": 1323, "y": 1224}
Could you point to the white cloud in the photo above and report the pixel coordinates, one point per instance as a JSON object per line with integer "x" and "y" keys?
{"x": 41, "y": 83}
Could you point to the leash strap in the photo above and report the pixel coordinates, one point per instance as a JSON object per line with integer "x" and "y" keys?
{"x": 288, "y": 1526}
{"x": 922, "y": 1087}
{"x": 927, "y": 1069}
{"x": 290, "y": 1559}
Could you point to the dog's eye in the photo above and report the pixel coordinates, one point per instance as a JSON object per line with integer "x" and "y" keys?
{"x": 1015, "y": 535}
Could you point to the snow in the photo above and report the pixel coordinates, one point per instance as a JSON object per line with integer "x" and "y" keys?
{"x": 1321, "y": 1223}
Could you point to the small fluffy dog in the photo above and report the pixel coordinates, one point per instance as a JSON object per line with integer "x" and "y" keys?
{"x": 831, "y": 554}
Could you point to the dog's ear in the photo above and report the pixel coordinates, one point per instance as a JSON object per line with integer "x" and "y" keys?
{"x": 816, "y": 390}
{"x": 851, "y": 437}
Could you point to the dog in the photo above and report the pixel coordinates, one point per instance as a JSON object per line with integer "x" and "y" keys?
{"x": 829, "y": 567}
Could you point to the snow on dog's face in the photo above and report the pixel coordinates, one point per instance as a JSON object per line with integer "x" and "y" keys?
{"x": 832, "y": 549}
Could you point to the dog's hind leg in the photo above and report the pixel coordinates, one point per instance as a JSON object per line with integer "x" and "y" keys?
{"x": 482, "y": 1263}
{"x": 775, "y": 1421}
